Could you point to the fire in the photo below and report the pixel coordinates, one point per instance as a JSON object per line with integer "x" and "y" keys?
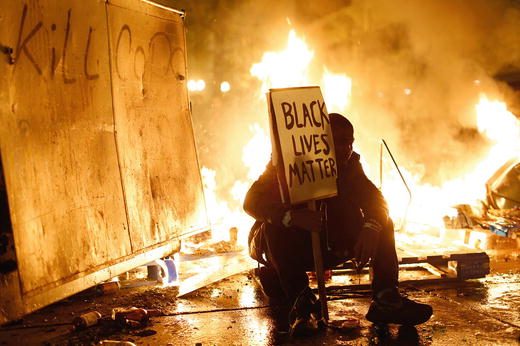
{"x": 428, "y": 204}
{"x": 500, "y": 126}
{"x": 257, "y": 152}
{"x": 277, "y": 69}
{"x": 222, "y": 216}
{"x": 218, "y": 210}
{"x": 286, "y": 68}
{"x": 337, "y": 91}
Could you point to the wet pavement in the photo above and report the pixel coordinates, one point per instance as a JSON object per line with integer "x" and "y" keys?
{"x": 234, "y": 311}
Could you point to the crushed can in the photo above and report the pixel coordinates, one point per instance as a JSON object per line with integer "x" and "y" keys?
{"x": 108, "y": 287}
{"x": 131, "y": 317}
{"x": 86, "y": 320}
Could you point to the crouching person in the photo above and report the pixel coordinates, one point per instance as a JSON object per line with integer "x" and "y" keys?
{"x": 354, "y": 225}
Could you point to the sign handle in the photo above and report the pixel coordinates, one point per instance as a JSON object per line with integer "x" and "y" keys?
{"x": 318, "y": 267}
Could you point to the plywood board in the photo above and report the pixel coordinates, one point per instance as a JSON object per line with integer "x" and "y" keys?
{"x": 155, "y": 140}
{"x": 57, "y": 141}
{"x": 195, "y": 273}
{"x": 303, "y": 149}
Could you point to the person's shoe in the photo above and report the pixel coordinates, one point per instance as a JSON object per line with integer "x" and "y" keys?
{"x": 389, "y": 306}
{"x": 305, "y": 317}
{"x": 270, "y": 283}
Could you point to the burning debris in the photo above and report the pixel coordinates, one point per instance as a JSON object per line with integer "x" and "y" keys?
{"x": 428, "y": 208}
{"x": 446, "y": 155}
{"x": 203, "y": 245}
{"x": 499, "y": 212}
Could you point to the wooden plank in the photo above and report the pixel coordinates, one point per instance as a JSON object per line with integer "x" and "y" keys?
{"x": 58, "y": 145}
{"x": 200, "y": 272}
{"x": 160, "y": 171}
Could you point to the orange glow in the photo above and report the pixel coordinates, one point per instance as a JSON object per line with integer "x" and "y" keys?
{"x": 225, "y": 87}
{"x": 277, "y": 69}
{"x": 196, "y": 85}
{"x": 337, "y": 90}
{"x": 430, "y": 203}
{"x": 287, "y": 68}
{"x": 222, "y": 217}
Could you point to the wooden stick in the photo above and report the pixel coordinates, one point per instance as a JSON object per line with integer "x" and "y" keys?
{"x": 318, "y": 267}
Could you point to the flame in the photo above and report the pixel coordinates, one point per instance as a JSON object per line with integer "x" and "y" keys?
{"x": 222, "y": 216}
{"x": 217, "y": 209}
{"x": 430, "y": 203}
{"x": 257, "y": 152}
{"x": 337, "y": 91}
{"x": 499, "y": 125}
{"x": 286, "y": 68}
{"x": 277, "y": 69}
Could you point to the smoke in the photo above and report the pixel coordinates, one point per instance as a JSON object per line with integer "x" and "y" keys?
{"x": 418, "y": 68}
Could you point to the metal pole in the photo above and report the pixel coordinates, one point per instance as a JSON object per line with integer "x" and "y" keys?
{"x": 318, "y": 267}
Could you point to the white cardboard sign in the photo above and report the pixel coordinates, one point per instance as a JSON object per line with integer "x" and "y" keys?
{"x": 303, "y": 148}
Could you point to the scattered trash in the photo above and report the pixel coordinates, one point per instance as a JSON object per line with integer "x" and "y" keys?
{"x": 345, "y": 324}
{"x": 464, "y": 218}
{"x": 131, "y": 323}
{"x": 134, "y": 317}
{"x": 116, "y": 342}
{"x": 133, "y": 313}
{"x": 154, "y": 312}
{"x": 108, "y": 287}
{"x": 146, "y": 332}
{"x": 505, "y": 228}
{"x": 86, "y": 320}
{"x": 233, "y": 235}
{"x": 350, "y": 323}
{"x": 172, "y": 271}
{"x": 154, "y": 272}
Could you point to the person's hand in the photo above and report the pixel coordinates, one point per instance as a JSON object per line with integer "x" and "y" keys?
{"x": 307, "y": 219}
{"x": 367, "y": 243}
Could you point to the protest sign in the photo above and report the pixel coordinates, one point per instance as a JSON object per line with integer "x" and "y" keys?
{"x": 303, "y": 148}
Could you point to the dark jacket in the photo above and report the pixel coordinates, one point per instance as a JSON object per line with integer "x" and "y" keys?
{"x": 358, "y": 198}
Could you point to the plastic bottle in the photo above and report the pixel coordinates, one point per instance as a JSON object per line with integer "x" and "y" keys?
{"x": 133, "y": 314}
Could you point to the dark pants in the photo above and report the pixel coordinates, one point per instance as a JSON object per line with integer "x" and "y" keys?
{"x": 289, "y": 252}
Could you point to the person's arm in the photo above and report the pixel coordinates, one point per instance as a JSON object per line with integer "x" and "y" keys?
{"x": 370, "y": 199}
{"x": 375, "y": 212}
{"x": 263, "y": 203}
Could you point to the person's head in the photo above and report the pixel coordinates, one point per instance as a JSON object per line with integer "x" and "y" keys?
{"x": 343, "y": 134}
